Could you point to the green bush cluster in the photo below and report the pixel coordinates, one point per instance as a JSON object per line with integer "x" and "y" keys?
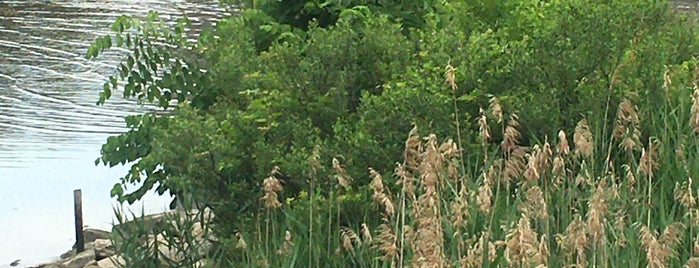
{"x": 285, "y": 82}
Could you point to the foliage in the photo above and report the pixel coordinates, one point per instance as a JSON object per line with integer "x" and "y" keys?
{"x": 301, "y": 13}
{"x": 180, "y": 239}
{"x": 549, "y": 204}
{"x": 294, "y": 86}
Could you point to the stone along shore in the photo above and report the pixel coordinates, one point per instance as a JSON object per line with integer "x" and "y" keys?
{"x": 150, "y": 231}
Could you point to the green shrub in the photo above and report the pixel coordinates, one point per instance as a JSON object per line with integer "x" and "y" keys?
{"x": 275, "y": 87}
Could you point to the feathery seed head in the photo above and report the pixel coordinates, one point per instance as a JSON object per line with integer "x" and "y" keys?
{"x": 558, "y": 166}
{"x": 511, "y": 135}
{"x": 660, "y": 250}
{"x": 515, "y": 164}
{"x": 379, "y": 195}
{"x": 366, "y": 234}
{"x": 483, "y": 128}
{"x": 450, "y": 76}
{"x": 684, "y": 194}
{"x": 596, "y": 221}
{"x": 475, "y": 253}
{"x": 460, "y": 209}
{"x": 287, "y": 245}
{"x": 349, "y": 238}
{"x": 271, "y": 186}
{"x": 532, "y": 171}
{"x": 522, "y": 245}
{"x": 574, "y": 241}
{"x": 693, "y": 262}
{"x": 694, "y": 118}
{"x": 627, "y": 125}
{"x": 583, "y": 139}
{"x": 387, "y": 243}
{"x": 495, "y": 108}
{"x": 648, "y": 162}
{"x": 630, "y": 177}
{"x": 485, "y": 193}
{"x": 534, "y": 205}
{"x": 563, "y": 148}
{"x": 413, "y": 147}
{"x": 342, "y": 178}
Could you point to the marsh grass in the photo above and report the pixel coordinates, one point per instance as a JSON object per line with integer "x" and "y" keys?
{"x": 619, "y": 198}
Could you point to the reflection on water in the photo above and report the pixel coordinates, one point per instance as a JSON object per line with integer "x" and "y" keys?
{"x": 50, "y": 128}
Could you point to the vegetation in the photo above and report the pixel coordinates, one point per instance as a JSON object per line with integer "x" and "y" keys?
{"x": 318, "y": 98}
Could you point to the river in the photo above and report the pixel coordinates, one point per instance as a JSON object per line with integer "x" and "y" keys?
{"x": 50, "y": 128}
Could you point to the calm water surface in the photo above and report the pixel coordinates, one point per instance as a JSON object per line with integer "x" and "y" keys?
{"x": 50, "y": 128}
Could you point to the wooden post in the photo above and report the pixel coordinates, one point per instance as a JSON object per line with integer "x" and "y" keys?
{"x": 79, "y": 237}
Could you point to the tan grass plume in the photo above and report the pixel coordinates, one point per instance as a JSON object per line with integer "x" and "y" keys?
{"x": 583, "y": 139}
{"x": 271, "y": 186}
{"x": 660, "y": 248}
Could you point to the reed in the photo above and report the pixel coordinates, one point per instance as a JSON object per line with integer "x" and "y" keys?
{"x": 621, "y": 199}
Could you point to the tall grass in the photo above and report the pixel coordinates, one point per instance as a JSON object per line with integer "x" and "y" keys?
{"x": 623, "y": 197}
{"x": 613, "y": 193}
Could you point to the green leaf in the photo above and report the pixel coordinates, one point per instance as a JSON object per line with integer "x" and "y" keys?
{"x": 267, "y": 28}
{"x": 107, "y": 91}
{"x": 117, "y": 191}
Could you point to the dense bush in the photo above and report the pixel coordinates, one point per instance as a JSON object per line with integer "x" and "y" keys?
{"x": 294, "y": 84}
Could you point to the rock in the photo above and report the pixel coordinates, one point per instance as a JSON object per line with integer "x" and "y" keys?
{"x": 68, "y": 253}
{"x": 103, "y": 248}
{"x": 167, "y": 252}
{"x": 140, "y": 225}
{"x": 50, "y": 265}
{"x": 93, "y": 234}
{"x": 110, "y": 262}
{"x": 91, "y": 263}
{"x": 90, "y": 235}
{"x": 101, "y": 253}
{"x": 80, "y": 260}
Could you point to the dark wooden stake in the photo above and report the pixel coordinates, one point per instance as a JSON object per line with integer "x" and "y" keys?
{"x": 79, "y": 237}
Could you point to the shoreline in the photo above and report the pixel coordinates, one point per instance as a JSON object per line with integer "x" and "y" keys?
{"x": 102, "y": 246}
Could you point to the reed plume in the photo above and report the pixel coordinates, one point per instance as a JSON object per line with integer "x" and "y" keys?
{"x": 583, "y": 139}
{"x": 511, "y": 135}
{"x": 380, "y": 197}
{"x": 683, "y": 194}
{"x": 271, "y": 186}
{"x": 428, "y": 242}
{"x": 342, "y": 178}
{"x": 562, "y": 148}
{"x": 659, "y": 249}
{"x": 485, "y": 193}
{"x": 349, "y": 238}
{"x": 648, "y": 162}
{"x": 627, "y": 126}
{"x": 366, "y": 234}
{"x": 495, "y": 108}
{"x": 476, "y": 253}
{"x": 693, "y": 262}
{"x": 694, "y": 118}
{"x": 574, "y": 241}
{"x": 596, "y": 221}
{"x": 483, "y": 127}
{"x": 534, "y": 205}
{"x": 287, "y": 246}
{"x": 522, "y": 247}
{"x": 515, "y": 165}
{"x": 387, "y": 243}
{"x": 459, "y": 206}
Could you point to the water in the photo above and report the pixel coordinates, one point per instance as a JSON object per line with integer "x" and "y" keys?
{"x": 50, "y": 128}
